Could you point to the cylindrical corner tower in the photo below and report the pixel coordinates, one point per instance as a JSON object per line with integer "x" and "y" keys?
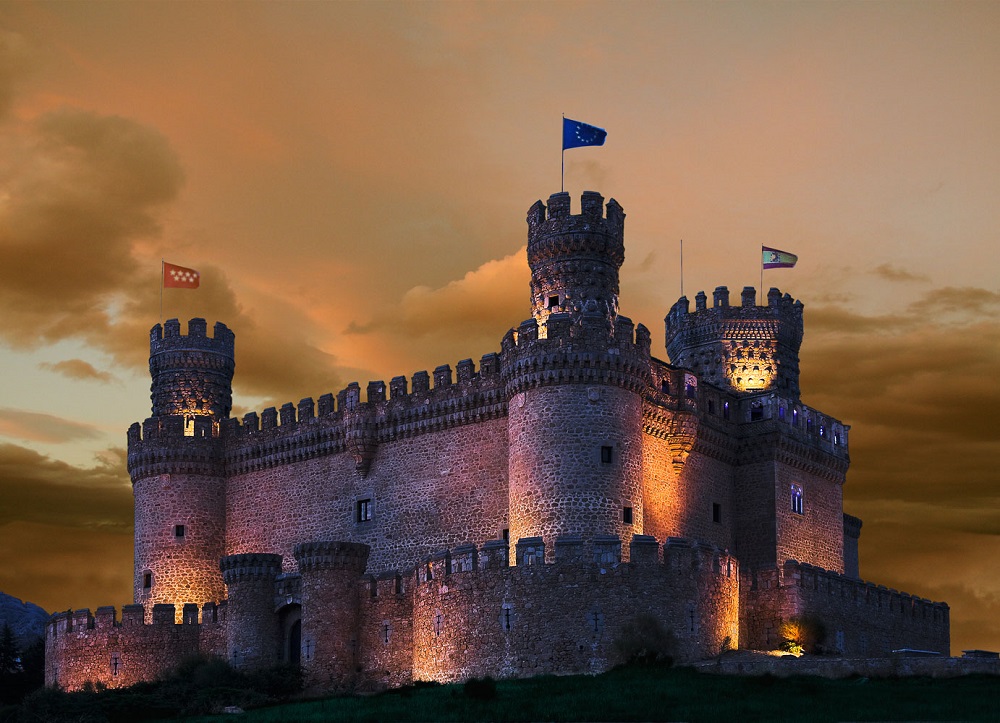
{"x": 175, "y": 461}
{"x": 253, "y": 637}
{"x": 575, "y": 374}
{"x": 331, "y": 610}
{"x": 745, "y": 348}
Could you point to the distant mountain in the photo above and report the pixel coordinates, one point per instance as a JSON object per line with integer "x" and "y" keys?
{"x": 26, "y": 619}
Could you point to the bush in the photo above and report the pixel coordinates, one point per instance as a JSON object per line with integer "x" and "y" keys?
{"x": 644, "y": 641}
{"x": 480, "y": 689}
{"x": 802, "y": 634}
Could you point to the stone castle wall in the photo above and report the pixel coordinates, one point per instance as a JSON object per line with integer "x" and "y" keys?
{"x": 860, "y": 618}
{"x": 101, "y": 649}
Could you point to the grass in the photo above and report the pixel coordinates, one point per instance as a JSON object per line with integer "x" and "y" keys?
{"x": 653, "y": 694}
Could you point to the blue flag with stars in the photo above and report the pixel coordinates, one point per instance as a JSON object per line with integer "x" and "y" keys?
{"x": 577, "y": 134}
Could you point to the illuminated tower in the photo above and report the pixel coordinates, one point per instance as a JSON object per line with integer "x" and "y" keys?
{"x": 745, "y": 348}
{"x": 175, "y": 461}
{"x": 574, "y": 375}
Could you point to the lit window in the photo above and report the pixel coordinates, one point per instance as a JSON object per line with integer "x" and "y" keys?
{"x": 725, "y": 410}
{"x": 797, "y": 505}
{"x": 781, "y": 413}
{"x": 606, "y": 455}
{"x": 364, "y": 511}
{"x": 627, "y": 515}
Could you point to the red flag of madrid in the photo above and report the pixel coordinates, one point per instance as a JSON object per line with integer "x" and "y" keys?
{"x": 179, "y": 277}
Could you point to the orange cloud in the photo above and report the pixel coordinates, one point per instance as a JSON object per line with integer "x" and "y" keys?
{"x": 78, "y": 369}
{"x": 35, "y": 427}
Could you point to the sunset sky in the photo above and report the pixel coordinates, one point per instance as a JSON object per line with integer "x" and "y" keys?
{"x": 352, "y": 179}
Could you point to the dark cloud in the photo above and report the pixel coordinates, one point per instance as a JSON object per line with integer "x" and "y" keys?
{"x": 42, "y": 490}
{"x": 78, "y": 369}
{"x": 36, "y": 427}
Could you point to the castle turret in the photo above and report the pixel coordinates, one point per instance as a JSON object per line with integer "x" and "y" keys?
{"x": 175, "y": 461}
{"x": 745, "y": 348}
{"x": 253, "y": 636}
{"x": 330, "y": 611}
{"x": 574, "y": 260}
{"x": 575, "y": 373}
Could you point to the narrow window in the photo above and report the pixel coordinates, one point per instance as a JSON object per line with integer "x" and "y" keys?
{"x": 665, "y": 386}
{"x": 690, "y": 390}
{"x": 606, "y": 455}
{"x": 711, "y": 406}
{"x": 725, "y": 410}
{"x": 716, "y": 512}
{"x": 399, "y": 585}
{"x": 781, "y": 413}
{"x": 438, "y": 623}
{"x": 386, "y": 629}
{"x": 822, "y": 431}
{"x": 809, "y": 425}
{"x": 147, "y": 580}
{"x": 553, "y": 301}
{"x": 179, "y": 531}
{"x": 506, "y": 535}
{"x": 797, "y": 506}
{"x": 116, "y": 664}
{"x": 627, "y": 515}
{"x": 795, "y": 417}
{"x": 507, "y": 622}
{"x": 364, "y": 511}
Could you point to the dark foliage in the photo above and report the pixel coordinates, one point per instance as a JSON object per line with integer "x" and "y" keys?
{"x": 644, "y": 641}
{"x": 480, "y": 688}
{"x": 199, "y": 686}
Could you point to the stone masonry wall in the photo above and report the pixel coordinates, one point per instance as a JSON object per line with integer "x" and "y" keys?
{"x": 425, "y": 492}
{"x": 80, "y": 647}
{"x": 860, "y": 618}
{"x": 564, "y": 617}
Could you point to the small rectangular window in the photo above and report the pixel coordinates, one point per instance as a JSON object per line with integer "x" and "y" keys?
{"x": 364, "y": 511}
{"x": 606, "y": 455}
{"x": 178, "y": 531}
{"x": 553, "y": 301}
{"x": 627, "y": 515}
{"x": 665, "y": 386}
{"x": 797, "y": 503}
{"x": 716, "y": 512}
{"x": 711, "y": 406}
{"x": 756, "y": 412}
{"x": 725, "y": 410}
{"x": 147, "y": 580}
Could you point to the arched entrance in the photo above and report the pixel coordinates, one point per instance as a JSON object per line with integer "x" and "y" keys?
{"x": 291, "y": 634}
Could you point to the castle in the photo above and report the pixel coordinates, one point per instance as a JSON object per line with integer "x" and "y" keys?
{"x": 505, "y": 519}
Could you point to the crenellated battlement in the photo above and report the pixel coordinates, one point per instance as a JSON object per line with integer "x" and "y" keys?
{"x": 575, "y": 259}
{"x": 107, "y": 617}
{"x": 585, "y": 349}
{"x": 677, "y": 554}
{"x": 191, "y": 374}
{"x": 746, "y": 348}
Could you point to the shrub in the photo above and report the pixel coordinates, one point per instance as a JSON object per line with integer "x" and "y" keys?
{"x": 644, "y": 641}
{"x": 802, "y": 634}
{"x": 480, "y": 689}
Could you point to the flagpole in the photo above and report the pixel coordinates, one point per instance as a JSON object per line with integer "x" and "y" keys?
{"x": 682, "y": 267}
{"x": 562, "y": 159}
{"x": 161, "y": 291}
{"x": 762, "y": 271}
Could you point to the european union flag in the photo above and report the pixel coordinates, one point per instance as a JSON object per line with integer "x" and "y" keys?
{"x": 576, "y": 134}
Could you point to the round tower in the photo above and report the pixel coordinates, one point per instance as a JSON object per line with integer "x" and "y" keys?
{"x": 331, "y": 611}
{"x": 575, "y": 374}
{"x": 175, "y": 461}
{"x": 574, "y": 260}
{"x": 253, "y": 638}
{"x": 745, "y": 348}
